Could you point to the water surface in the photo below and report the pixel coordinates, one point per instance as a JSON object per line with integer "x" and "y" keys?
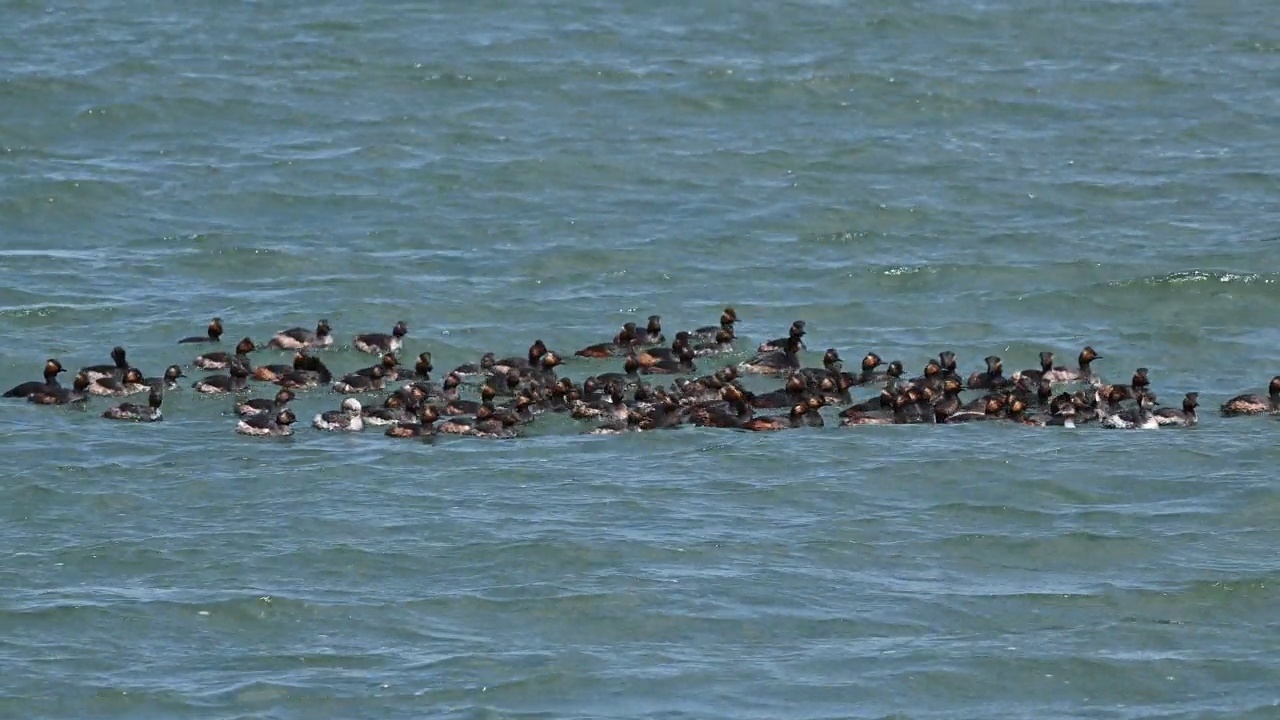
{"x": 981, "y": 177}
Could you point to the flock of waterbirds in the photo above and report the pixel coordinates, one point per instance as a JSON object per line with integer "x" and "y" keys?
{"x": 496, "y": 396}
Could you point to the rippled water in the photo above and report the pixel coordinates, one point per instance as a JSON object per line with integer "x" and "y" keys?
{"x": 982, "y": 177}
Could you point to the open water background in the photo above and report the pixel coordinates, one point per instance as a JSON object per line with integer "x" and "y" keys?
{"x": 986, "y": 177}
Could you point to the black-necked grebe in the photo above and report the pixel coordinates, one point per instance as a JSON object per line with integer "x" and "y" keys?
{"x": 346, "y": 418}
{"x": 268, "y": 425}
{"x": 1255, "y": 404}
{"x": 50, "y": 383}
{"x": 214, "y": 333}
{"x": 139, "y": 413}
{"x": 297, "y": 338}
{"x": 380, "y": 343}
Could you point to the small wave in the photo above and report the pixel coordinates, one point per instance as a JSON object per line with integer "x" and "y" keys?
{"x": 1188, "y": 276}
{"x": 904, "y": 270}
{"x": 1258, "y": 46}
{"x": 54, "y": 255}
{"x": 44, "y": 311}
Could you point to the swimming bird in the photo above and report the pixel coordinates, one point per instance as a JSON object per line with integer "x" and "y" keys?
{"x": 1064, "y": 417}
{"x": 422, "y": 368}
{"x": 394, "y": 410}
{"x": 268, "y": 425}
{"x": 1140, "y": 419}
{"x": 130, "y": 384}
{"x": 345, "y": 419}
{"x": 536, "y": 351}
{"x": 119, "y": 367}
{"x": 1046, "y": 367}
{"x": 356, "y": 383}
{"x": 1083, "y": 374}
{"x": 423, "y": 428}
{"x": 796, "y": 332}
{"x": 236, "y": 381}
{"x": 50, "y": 383}
{"x": 57, "y": 395}
{"x": 775, "y": 362}
{"x": 993, "y": 377}
{"x": 220, "y": 360}
{"x": 767, "y": 423}
{"x": 214, "y": 333}
{"x": 1255, "y": 404}
{"x": 1186, "y": 417}
{"x": 257, "y": 405}
{"x": 139, "y": 413}
{"x": 652, "y": 332}
{"x": 297, "y": 338}
{"x": 831, "y": 365}
{"x": 710, "y": 332}
{"x": 721, "y": 343}
{"x": 169, "y": 381}
{"x": 379, "y": 343}
{"x": 484, "y": 367}
{"x": 308, "y": 372}
{"x": 621, "y": 343}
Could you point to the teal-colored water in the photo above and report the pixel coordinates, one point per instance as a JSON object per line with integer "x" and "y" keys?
{"x": 981, "y": 177}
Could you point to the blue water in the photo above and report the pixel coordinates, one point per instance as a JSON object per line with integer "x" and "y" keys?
{"x": 988, "y": 178}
